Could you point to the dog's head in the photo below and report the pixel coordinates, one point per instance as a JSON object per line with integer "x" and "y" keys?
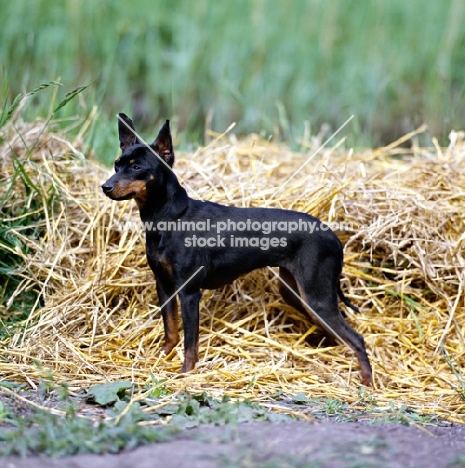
{"x": 140, "y": 167}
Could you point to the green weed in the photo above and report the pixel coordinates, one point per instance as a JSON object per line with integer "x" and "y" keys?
{"x": 57, "y": 436}
{"x": 196, "y": 410}
{"x": 24, "y": 221}
{"x": 456, "y": 370}
{"x": 413, "y": 306}
{"x": 366, "y": 408}
{"x": 108, "y": 393}
{"x": 157, "y": 387}
{"x": 323, "y": 407}
{"x": 124, "y": 423}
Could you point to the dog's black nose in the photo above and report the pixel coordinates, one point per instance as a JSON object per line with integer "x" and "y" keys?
{"x": 107, "y": 188}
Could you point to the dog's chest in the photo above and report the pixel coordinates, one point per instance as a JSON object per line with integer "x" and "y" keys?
{"x": 158, "y": 255}
{"x": 160, "y": 263}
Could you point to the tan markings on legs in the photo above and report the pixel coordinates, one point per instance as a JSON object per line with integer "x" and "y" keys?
{"x": 171, "y": 332}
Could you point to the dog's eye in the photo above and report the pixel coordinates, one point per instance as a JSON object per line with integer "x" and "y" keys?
{"x": 135, "y": 167}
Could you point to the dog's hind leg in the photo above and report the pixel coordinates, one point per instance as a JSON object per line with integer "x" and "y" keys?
{"x": 291, "y": 295}
{"x": 321, "y": 300}
{"x": 289, "y": 290}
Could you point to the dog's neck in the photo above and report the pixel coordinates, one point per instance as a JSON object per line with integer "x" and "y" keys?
{"x": 168, "y": 202}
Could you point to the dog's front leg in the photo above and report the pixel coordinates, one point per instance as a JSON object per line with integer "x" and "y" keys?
{"x": 169, "y": 311}
{"x": 190, "y": 319}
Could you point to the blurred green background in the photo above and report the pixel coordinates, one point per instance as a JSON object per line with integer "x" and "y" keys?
{"x": 272, "y": 66}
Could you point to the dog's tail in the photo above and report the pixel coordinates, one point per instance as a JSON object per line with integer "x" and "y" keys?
{"x": 345, "y": 300}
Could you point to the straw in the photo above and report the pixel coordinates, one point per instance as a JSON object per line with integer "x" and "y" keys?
{"x": 97, "y": 317}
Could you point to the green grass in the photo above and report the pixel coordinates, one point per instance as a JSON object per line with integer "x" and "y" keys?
{"x": 135, "y": 417}
{"x": 366, "y": 408}
{"x": 393, "y": 64}
{"x": 456, "y": 369}
{"x": 117, "y": 424}
{"x": 118, "y": 415}
{"x": 42, "y": 432}
{"x": 22, "y": 220}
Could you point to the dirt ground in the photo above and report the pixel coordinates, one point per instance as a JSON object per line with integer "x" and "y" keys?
{"x": 280, "y": 445}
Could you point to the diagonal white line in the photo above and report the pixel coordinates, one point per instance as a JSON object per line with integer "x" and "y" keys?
{"x": 179, "y": 289}
{"x": 159, "y": 157}
{"x": 310, "y": 158}
{"x": 322, "y": 322}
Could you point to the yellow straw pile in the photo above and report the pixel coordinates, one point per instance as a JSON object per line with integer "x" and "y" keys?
{"x": 97, "y": 317}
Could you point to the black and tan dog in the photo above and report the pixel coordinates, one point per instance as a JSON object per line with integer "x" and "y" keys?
{"x": 192, "y": 244}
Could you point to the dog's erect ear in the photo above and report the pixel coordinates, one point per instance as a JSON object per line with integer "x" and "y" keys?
{"x": 163, "y": 144}
{"x": 126, "y": 131}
